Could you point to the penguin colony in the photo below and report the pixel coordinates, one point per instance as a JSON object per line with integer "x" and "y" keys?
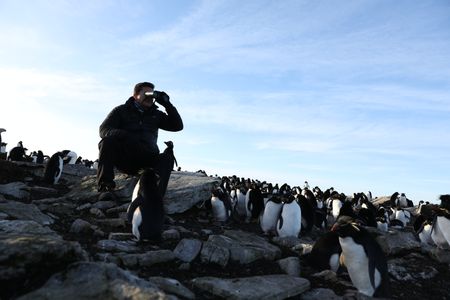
{"x": 345, "y": 243}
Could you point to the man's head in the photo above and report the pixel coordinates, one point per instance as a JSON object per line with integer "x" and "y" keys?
{"x": 139, "y": 94}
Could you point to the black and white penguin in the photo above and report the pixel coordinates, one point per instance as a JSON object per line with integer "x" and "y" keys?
{"x": 308, "y": 217}
{"x": 271, "y": 214}
{"x": 53, "y": 169}
{"x": 290, "y": 220}
{"x": 40, "y": 157}
{"x": 146, "y": 210}
{"x": 364, "y": 260}
{"x": 240, "y": 207}
{"x": 423, "y": 228}
{"x": 255, "y": 203}
{"x": 402, "y": 215}
{"x": 394, "y": 199}
{"x": 221, "y": 205}
{"x": 325, "y": 252}
{"x": 440, "y": 232}
{"x": 17, "y": 154}
{"x": 69, "y": 157}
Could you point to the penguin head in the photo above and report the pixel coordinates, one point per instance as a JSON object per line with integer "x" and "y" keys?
{"x": 347, "y": 229}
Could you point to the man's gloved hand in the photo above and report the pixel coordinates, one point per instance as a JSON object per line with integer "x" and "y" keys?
{"x": 163, "y": 99}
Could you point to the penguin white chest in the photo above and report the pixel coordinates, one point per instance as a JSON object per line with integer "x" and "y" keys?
{"x": 137, "y": 220}
{"x": 442, "y": 229}
{"x": 218, "y": 208}
{"x": 270, "y": 216}
{"x": 425, "y": 235}
{"x": 357, "y": 264}
{"x": 336, "y": 208}
{"x": 290, "y": 223}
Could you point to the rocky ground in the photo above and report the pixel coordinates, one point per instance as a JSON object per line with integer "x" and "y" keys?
{"x": 61, "y": 242}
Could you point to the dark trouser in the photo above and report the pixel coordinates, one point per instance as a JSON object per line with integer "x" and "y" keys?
{"x": 129, "y": 157}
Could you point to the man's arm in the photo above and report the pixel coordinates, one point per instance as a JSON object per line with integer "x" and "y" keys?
{"x": 110, "y": 126}
{"x": 172, "y": 120}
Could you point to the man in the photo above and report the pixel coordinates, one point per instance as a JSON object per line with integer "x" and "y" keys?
{"x": 130, "y": 134}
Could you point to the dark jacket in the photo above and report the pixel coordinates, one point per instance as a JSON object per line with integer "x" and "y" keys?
{"x": 127, "y": 121}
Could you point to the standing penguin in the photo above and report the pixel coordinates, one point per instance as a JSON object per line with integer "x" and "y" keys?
{"x": 423, "y": 227}
{"x": 290, "y": 221}
{"x": 364, "y": 259}
{"x": 221, "y": 205}
{"x": 326, "y": 252}
{"x": 53, "y": 169}
{"x": 440, "y": 232}
{"x": 146, "y": 210}
{"x": 271, "y": 214}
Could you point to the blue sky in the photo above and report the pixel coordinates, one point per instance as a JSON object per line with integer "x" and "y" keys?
{"x": 349, "y": 94}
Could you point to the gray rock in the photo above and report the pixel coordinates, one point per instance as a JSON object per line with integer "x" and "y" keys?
{"x": 247, "y": 247}
{"x": 118, "y": 246}
{"x": 147, "y": 259}
{"x": 289, "y": 241}
{"x": 213, "y": 252}
{"x": 290, "y": 265}
{"x": 396, "y": 241}
{"x": 187, "y": 249}
{"x": 3, "y": 216}
{"x": 186, "y": 189}
{"x": 81, "y": 226}
{"x": 320, "y": 294}
{"x": 170, "y": 234}
{"x": 118, "y": 209}
{"x": 84, "y": 206}
{"x": 172, "y": 286}
{"x": 21, "y": 211}
{"x": 17, "y": 190}
{"x": 410, "y": 268}
{"x": 439, "y": 255}
{"x": 94, "y": 280}
{"x": 121, "y": 236}
{"x": 103, "y": 205}
{"x": 97, "y": 213}
{"x": 257, "y": 287}
{"x": 115, "y": 222}
{"x": 86, "y": 189}
{"x": 28, "y": 250}
{"x": 49, "y": 192}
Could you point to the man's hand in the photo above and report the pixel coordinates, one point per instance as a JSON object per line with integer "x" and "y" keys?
{"x": 163, "y": 99}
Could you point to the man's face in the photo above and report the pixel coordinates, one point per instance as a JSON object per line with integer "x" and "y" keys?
{"x": 145, "y": 101}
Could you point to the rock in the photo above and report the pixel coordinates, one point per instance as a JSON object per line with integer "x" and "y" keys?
{"x": 3, "y": 216}
{"x": 86, "y": 189}
{"x": 187, "y": 249}
{"x": 187, "y": 189}
{"x": 115, "y": 222}
{"x": 18, "y": 190}
{"x": 147, "y": 259}
{"x": 290, "y": 265}
{"x": 172, "y": 286}
{"x": 120, "y": 236}
{"x": 171, "y": 234}
{"x": 439, "y": 255}
{"x": 103, "y": 205}
{"x": 21, "y": 211}
{"x": 118, "y": 246}
{"x": 84, "y": 206}
{"x": 409, "y": 268}
{"x": 256, "y": 287}
{"x": 118, "y": 209}
{"x": 289, "y": 241}
{"x": 213, "y": 252}
{"x": 396, "y": 241}
{"x": 320, "y": 294}
{"x": 94, "y": 280}
{"x": 97, "y": 213}
{"x": 246, "y": 247}
{"x": 49, "y": 192}
{"x": 29, "y": 252}
{"x": 81, "y": 226}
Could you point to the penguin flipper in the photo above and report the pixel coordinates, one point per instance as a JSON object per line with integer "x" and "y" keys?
{"x": 280, "y": 222}
{"x": 132, "y": 207}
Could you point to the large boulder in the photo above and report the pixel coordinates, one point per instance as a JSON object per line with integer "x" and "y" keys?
{"x": 30, "y": 253}
{"x": 90, "y": 280}
{"x": 186, "y": 189}
{"x": 17, "y": 190}
{"x": 397, "y": 241}
{"x": 21, "y": 211}
{"x": 243, "y": 247}
{"x": 256, "y": 287}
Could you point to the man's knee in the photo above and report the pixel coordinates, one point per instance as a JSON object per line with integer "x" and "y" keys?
{"x": 107, "y": 143}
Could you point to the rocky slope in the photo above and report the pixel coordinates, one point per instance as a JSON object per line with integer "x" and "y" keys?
{"x": 62, "y": 242}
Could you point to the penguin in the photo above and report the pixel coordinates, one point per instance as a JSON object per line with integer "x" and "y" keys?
{"x": 401, "y": 202}
{"x": 271, "y": 214}
{"x": 382, "y": 224}
{"x": 221, "y": 205}
{"x": 53, "y": 169}
{"x": 240, "y": 207}
{"x": 40, "y": 157}
{"x": 422, "y": 228}
{"x": 17, "y": 154}
{"x": 306, "y": 185}
{"x": 290, "y": 221}
{"x": 69, "y": 157}
{"x": 95, "y": 165}
{"x": 364, "y": 259}
{"x": 325, "y": 252}
{"x": 308, "y": 213}
{"x": 336, "y": 205}
{"x": 440, "y": 231}
{"x": 393, "y": 199}
{"x": 146, "y": 210}
{"x": 255, "y": 204}
{"x": 402, "y": 215}
{"x": 445, "y": 201}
